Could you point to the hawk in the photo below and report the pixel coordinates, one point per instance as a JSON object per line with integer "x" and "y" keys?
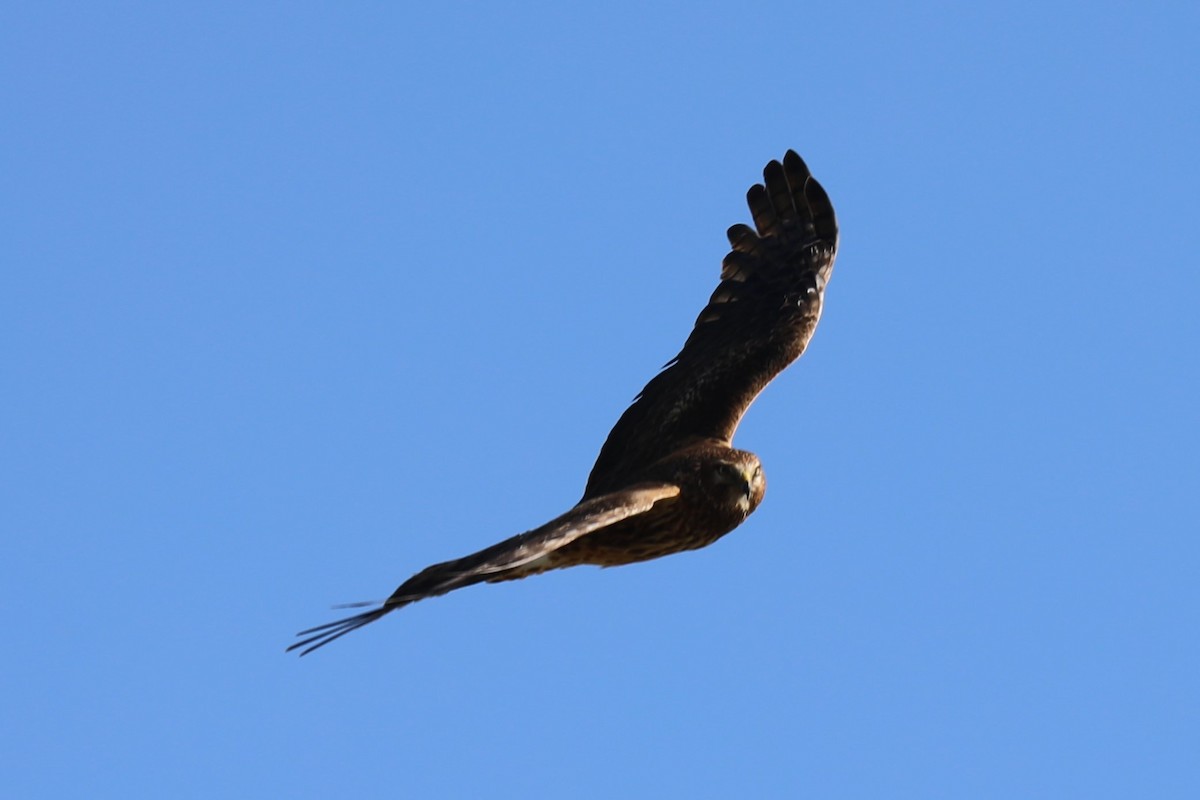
{"x": 668, "y": 478}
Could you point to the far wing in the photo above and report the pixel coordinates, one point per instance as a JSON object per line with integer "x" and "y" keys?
{"x": 758, "y": 321}
{"x": 515, "y": 556}
{"x": 521, "y": 551}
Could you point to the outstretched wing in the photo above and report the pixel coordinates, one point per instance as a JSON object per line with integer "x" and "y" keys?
{"x": 757, "y": 322}
{"x": 521, "y": 555}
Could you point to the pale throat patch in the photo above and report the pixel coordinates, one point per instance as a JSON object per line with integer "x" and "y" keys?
{"x": 743, "y": 502}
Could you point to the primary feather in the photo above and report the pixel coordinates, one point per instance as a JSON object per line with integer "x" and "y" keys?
{"x": 759, "y": 320}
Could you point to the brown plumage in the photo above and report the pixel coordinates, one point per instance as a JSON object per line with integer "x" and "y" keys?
{"x": 667, "y": 478}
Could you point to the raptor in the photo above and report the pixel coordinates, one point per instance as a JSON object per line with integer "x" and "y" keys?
{"x": 668, "y": 478}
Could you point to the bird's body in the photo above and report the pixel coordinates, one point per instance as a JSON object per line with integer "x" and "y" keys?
{"x": 718, "y": 488}
{"x": 668, "y": 478}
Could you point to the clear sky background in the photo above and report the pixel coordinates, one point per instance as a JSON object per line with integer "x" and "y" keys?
{"x": 297, "y": 299}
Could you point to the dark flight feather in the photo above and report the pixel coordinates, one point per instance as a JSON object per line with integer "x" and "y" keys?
{"x": 759, "y": 320}
{"x": 512, "y": 558}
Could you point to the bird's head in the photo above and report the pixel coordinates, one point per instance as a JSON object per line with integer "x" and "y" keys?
{"x": 737, "y": 481}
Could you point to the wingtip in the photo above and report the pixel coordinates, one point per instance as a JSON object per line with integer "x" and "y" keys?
{"x": 793, "y": 162}
{"x": 796, "y": 172}
{"x": 772, "y": 172}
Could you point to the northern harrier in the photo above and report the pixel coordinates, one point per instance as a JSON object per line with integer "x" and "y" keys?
{"x": 667, "y": 478}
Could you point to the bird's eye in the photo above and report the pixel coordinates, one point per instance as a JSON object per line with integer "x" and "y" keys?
{"x": 722, "y": 472}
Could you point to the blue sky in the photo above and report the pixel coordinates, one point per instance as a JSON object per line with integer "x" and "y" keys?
{"x": 300, "y": 298}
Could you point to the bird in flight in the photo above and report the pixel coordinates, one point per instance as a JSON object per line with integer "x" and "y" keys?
{"x": 668, "y": 478}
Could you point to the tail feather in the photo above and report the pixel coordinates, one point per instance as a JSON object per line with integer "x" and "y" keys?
{"x": 331, "y": 631}
{"x": 429, "y": 582}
